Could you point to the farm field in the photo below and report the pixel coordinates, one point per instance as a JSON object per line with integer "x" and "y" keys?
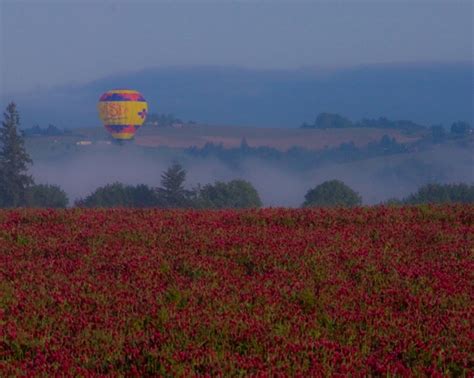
{"x": 365, "y": 291}
{"x": 231, "y": 136}
{"x": 281, "y": 139}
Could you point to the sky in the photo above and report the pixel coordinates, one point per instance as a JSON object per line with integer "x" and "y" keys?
{"x": 49, "y": 43}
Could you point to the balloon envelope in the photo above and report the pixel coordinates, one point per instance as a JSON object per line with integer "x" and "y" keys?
{"x": 122, "y": 112}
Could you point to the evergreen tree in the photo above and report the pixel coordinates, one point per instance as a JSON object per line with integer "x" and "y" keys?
{"x": 14, "y": 161}
{"x": 172, "y": 192}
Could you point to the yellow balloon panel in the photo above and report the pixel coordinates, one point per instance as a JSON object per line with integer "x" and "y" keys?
{"x": 122, "y": 112}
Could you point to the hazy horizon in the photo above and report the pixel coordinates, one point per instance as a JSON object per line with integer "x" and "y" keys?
{"x": 437, "y": 93}
{"x": 51, "y": 43}
{"x": 322, "y": 72}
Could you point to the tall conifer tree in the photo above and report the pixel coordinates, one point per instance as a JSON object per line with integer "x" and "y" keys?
{"x": 14, "y": 161}
{"x": 172, "y": 192}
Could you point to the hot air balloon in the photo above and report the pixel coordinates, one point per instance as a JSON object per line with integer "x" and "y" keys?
{"x": 122, "y": 112}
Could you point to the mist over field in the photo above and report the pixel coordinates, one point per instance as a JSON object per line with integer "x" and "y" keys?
{"x": 376, "y": 179}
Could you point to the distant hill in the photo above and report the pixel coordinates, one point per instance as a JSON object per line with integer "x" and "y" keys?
{"x": 425, "y": 94}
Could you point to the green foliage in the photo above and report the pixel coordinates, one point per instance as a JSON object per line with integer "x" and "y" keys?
{"x": 407, "y": 127}
{"x": 236, "y": 194}
{"x": 332, "y": 193}
{"x": 119, "y": 195}
{"x": 336, "y": 121}
{"x": 161, "y": 120}
{"x": 438, "y": 133}
{"x": 143, "y": 196}
{"x": 14, "y": 161}
{"x": 329, "y": 121}
{"x": 36, "y": 130}
{"x": 46, "y": 196}
{"x": 110, "y": 195}
{"x": 461, "y": 128}
{"x": 172, "y": 193}
{"x": 442, "y": 193}
{"x": 299, "y": 158}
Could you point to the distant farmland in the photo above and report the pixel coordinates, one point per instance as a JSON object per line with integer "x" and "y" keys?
{"x": 188, "y": 136}
{"x": 231, "y": 136}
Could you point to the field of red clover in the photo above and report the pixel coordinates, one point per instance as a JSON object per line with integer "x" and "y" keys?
{"x": 366, "y": 291}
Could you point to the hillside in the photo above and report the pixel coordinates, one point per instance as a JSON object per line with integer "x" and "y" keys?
{"x": 424, "y": 93}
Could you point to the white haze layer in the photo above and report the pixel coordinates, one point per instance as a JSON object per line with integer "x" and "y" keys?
{"x": 374, "y": 179}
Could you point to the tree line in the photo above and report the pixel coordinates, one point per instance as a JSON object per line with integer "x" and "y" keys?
{"x": 299, "y": 158}
{"x": 18, "y": 189}
{"x": 161, "y": 120}
{"x": 437, "y": 132}
{"x": 51, "y": 130}
{"x": 172, "y": 194}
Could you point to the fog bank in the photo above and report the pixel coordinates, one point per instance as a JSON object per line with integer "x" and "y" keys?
{"x": 375, "y": 179}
